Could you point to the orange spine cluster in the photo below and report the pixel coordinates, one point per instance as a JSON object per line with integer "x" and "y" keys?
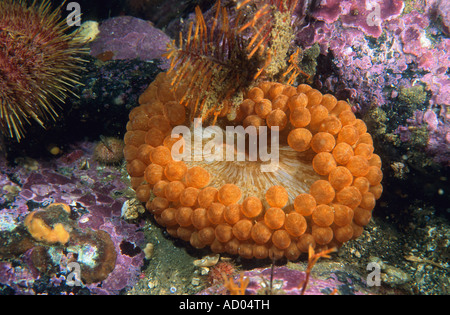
{"x": 335, "y": 210}
{"x": 195, "y": 62}
{"x": 215, "y": 60}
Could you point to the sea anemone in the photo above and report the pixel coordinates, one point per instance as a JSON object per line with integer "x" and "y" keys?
{"x": 322, "y": 193}
{"x": 317, "y": 186}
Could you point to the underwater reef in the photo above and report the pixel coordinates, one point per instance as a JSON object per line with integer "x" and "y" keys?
{"x": 92, "y": 199}
{"x": 392, "y": 55}
{"x": 94, "y": 203}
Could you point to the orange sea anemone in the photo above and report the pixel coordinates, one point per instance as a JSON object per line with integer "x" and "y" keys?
{"x": 321, "y": 189}
{"x": 321, "y": 194}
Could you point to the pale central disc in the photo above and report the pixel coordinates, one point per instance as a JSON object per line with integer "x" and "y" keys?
{"x": 292, "y": 170}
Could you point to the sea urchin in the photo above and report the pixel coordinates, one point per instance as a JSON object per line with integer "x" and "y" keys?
{"x": 38, "y": 61}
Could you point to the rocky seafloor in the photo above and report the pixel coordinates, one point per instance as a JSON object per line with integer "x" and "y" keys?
{"x": 408, "y": 237}
{"x": 408, "y": 240}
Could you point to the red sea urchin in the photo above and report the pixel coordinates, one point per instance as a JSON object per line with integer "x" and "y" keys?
{"x": 223, "y": 270}
{"x": 38, "y": 60}
{"x": 109, "y": 151}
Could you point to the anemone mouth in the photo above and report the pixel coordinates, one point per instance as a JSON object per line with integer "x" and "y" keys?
{"x": 319, "y": 193}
